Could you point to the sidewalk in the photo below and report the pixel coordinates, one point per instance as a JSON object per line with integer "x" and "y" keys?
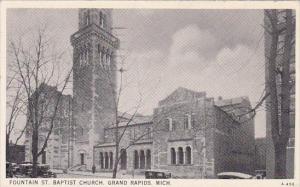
{"x": 106, "y": 175}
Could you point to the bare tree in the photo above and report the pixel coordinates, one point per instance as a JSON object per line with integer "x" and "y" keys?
{"x": 36, "y": 65}
{"x": 123, "y": 120}
{"x": 280, "y": 82}
{"x": 15, "y": 108}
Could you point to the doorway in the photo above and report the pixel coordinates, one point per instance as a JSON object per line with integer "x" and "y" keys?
{"x": 82, "y": 158}
{"x": 44, "y": 157}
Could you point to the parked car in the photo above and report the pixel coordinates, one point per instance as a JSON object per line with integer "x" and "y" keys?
{"x": 260, "y": 174}
{"x": 44, "y": 171}
{"x": 234, "y": 175}
{"x": 25, "y": 169}
{"x": 15, "y": 168}
{"x": 157, "y": 174}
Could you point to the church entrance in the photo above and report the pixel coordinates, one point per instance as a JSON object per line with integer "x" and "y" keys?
{"x": 44, "y": 157}
{"x": 82, "y": 158}
{"x": 123, "y": 159}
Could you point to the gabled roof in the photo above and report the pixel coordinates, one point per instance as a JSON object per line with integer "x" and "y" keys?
{"x": 181, "y": 94}
{"x": 133, "y": 119}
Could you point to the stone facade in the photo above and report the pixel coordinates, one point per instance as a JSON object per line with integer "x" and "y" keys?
{"x": 94, "y": 81}
{"x": 58, "y": 153}
{"x": 190, "y": 134}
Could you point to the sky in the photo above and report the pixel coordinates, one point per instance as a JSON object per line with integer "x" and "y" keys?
{"x": 220, "y": 52}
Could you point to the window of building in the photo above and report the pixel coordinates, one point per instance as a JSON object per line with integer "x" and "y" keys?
{"x": 187, "y": 121}
{"x": 101, "y": 20}
{"x": 180, "y": 155}
{"x": 173, "y": 156}
{"x": 103, "y": 57}
{"x": 86, "y": 18}
{"x": 188, "y": 157}
{"x": 104, "y": 21}
{"x": 64, "y": 136}
{"x": 169, "y": 124}
{"x": 108, "y": 58}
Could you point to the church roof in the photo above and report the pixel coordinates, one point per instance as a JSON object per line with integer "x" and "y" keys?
{"x": 181, "y": 94}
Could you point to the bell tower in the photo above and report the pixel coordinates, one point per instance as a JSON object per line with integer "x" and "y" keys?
{"x": 94, "y": 81}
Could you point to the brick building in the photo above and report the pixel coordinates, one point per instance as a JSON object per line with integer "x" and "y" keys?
{"x": 260, "y": 153}
{"x": 189, "y": 133}
{"x": 59, "y": 147}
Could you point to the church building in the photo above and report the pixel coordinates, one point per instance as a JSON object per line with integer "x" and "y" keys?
{"x": 190, "y": 134}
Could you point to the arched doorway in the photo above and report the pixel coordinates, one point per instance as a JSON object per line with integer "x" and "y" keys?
{"x": 136, "y": 159}
{"x": 173, "y": 156}
{"x": 111, "y": 161}
{"x": 101, "y": 160}
{"x": 188, "y": 157}
{"x": 106, "y": 160}
{"x": 44, "y": 157}
{"x": 142, "y": 159}
{"x": 148, "y": 159}
{"x": 180, "y": 155}
{"x": 123, "y": 159}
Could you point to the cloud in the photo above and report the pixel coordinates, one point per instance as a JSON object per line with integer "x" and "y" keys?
{"x": 228, "y": 56}
{"x": 191, "y": 46}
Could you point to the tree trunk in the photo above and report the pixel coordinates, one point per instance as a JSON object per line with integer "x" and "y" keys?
{"x": 280, "y": 161}
{"x": 116, "y": 162}
{"x": 34, "y": 150}
{"x": 7, "y": 149}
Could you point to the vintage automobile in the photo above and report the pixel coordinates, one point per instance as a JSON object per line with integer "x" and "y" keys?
{"x": 25, "y": 169}
{"x": 260, "y": 174}
{"x": 44, "y": 171}
{"x": 234, "y": 175}
{"x": 158, "y": 174}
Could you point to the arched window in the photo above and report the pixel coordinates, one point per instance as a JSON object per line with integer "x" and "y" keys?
{"x": 101, "y": 160}
{"x": 103, "y": 57}
{"x": 148, "y": 159}
{"x": 173, "y": 156}
{"x": 108, "y": 58}
{"x": 136, "y": 159}
{"x": 104, "y": 21}
{"x": 86, "y": 16}
{"x": 101, "y": 20}
{"x": 106, "y": 160}
{"x": 100, "y": 54}
{"x": 142, "y": 159}
{"x": 180, "y": 155}
{"x": 81, "y": 58}
{"x": 169, "y": 124}
{"x": 188, "y": 155}
{"x": 123, "y": 159}
{"x": 111, "y": 161}
{"x": 187, "y": 121}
